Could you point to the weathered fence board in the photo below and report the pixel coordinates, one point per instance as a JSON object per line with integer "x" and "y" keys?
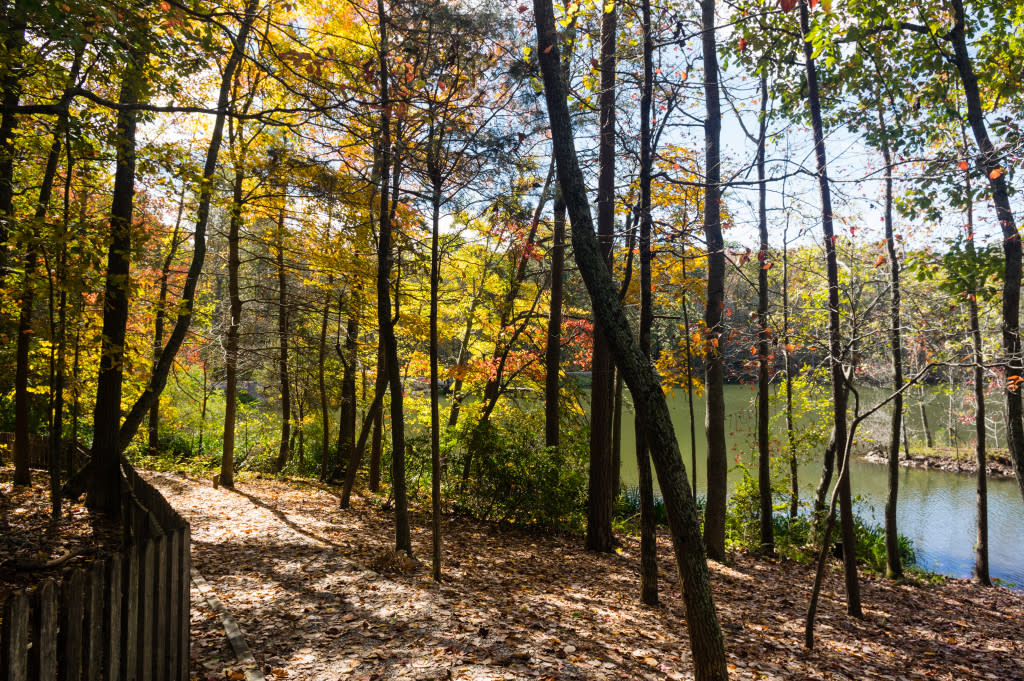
{"x": 14, "y": 656}
{"x": 123, "y": 617}
{"x": 44, "y": 632}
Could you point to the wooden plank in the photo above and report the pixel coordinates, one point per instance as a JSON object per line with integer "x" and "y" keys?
{"x": 244, "y": 656}
{"x": 44, "y": 632}
{"x": 160, "y": 629}
{"x": 130, "y": 613}
{"x": 93, "y": 657}
{"x": 184, "y": 640}
{"x": 174, "y": 604}
{"x": 72, "y": 614}
{"x": 113, "y": 594}
{"x": 14, "y": 654}
{"x": 147, "y": 612}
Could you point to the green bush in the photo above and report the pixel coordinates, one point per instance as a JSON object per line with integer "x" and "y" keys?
{"x": 513, "y": 478}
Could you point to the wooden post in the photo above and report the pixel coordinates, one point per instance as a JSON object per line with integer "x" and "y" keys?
{"x": 72, "y": 602}
{"x": 186, "y": 570}
{"x": 14, "y": 655}
{"x": 113, "y": 593}
{"x": 44, "y": 632}
{"x": 130, "y": 613}
{"x": 174, "y": 604}
{"x": 147, "y": 612}
{"x": 160, "y": 630}
{"x": 93, "y": 657}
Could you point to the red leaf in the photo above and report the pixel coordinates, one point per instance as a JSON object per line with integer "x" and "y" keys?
{"x": 787, "y": 5}
{"x": 962, "y": 165}
{"x": 743, "y": 44}
{"x": 813, "y": 3}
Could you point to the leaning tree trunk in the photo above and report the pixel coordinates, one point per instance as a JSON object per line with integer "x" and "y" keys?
{"x": 702, "y": 621}
{"x": 714, "y": 420}
{"x": 839, "y": 394}
{"x": 153, "y": 427}
{"x": 989, "y": 163}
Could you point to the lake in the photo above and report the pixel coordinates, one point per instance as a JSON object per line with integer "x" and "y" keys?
{"x": 936, "y": 509}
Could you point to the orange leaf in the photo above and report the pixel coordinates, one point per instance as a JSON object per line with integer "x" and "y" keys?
{"x": 962, "y": 165}
{"x": 548, "y": 48}
{"x": 995, "y": 174}
{"x": 881, "y": 261}
{"x": 743, "y": 44}
{"x": 813, "y": 3}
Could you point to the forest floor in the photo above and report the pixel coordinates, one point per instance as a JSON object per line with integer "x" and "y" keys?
{"x": 950, "y": 459}
{"x": 33, "y": 547}
{"x": 293, "y": 569}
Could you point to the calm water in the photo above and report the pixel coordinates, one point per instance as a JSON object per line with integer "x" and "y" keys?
{"x": 936, "y": 509}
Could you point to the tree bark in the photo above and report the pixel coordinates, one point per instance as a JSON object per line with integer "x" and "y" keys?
{"x": 104, "y": 477}
{"x": 893, "y": 566}
{"x": 553, "y": 352}
{"x": 981, "y": 563}
{"x": 435, "y": 408}
{"x": 989, "y": 163}
{"x": 648, "y": 525}
{"x": 702, "y": 621}
{"x": 325, "y": 416}
{"x": 714, "y": 422}
{"x": 764, "y": 483}
{"x": 227, "y": 460}
{"x": 853, "y": 606}
{"x": 10, "y": 93}
{"x": 153, "y": 427}
{"x": 284, "y": 449}
{"x": 600, "y": 496}
{"x": 385, "y": 261}
{"x": 347, "y": 425}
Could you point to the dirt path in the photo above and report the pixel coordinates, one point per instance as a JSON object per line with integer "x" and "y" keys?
{"x": 286, "y": 561}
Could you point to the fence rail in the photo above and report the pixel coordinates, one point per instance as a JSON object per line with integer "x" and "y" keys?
{"x": 73, "y": 455}
{"x": 122, "y": 618}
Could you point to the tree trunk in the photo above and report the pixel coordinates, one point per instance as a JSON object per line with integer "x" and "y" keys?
{"x": 553, "y": 353}
{"x": 689, "y": 384}
{"x": 853, "y": 606}
{"x": 377, "y": 442}
{"x": 981, "y": 567}
{"x": 385, "y": 261}
{"x": 893, "y": 566}
{"x": 989, "y": 163}
{"x": 347, "y": 425}
{"x": 227, "y": 460}
{"x": 648, "y": 525}
{"x": 435, "y": 409}
{"x": 153, "y": 426}
{"x": 794, "y": 489}
{"x": 702, "y": 621}
{"x": 924, "y": 418}
{"x": 104, "y": 478}
{"x": 325, "y": 416}
{"x": 714, "y": 422}
{"x": 764, "y": 483}
{"x": 599, "y": 493}
{"x": 284, "y": 449}
{"x": 10, "y": 92}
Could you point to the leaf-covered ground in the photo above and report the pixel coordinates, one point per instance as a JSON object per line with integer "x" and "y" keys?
{"x": 33, "y": 547}
{"x": 292, "y": 569}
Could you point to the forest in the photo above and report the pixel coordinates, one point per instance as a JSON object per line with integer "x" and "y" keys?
{"x": 645, "y": 280}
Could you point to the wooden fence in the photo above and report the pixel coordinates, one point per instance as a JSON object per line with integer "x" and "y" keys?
{"x": 121, "y": 618}
{"x": 73, "y": 457}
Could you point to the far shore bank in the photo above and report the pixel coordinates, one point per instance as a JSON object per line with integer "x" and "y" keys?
{"x": 946, "y": 459}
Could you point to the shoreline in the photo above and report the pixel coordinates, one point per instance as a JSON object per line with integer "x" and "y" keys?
{"x": 997, "y": 466}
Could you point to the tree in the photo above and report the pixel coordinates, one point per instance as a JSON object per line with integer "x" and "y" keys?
{"x": 705, "y": 633}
